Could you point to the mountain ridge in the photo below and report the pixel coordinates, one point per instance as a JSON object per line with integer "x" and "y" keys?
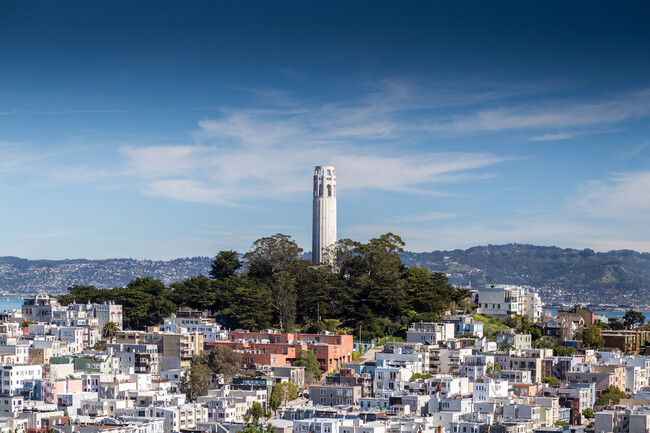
{"x": 561, "y": 275}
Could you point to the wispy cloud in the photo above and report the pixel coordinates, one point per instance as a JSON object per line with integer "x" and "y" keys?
{"x": 420, "y": 218}
{"x": 622, "y": 196}
{"x": 558, "y": 136}
{"x": 268, "y": 152}
{"x": 549, "y": 114}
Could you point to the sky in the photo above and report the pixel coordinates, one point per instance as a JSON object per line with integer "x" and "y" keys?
{"x": 164, "y": 129}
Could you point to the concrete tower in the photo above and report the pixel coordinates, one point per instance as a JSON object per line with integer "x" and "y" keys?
{"x": 324, "y": 224}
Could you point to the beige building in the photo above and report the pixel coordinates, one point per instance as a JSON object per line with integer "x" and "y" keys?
{"x": 180, "y": 344}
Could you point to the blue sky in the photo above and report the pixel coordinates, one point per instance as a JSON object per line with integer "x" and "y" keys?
{"x": 173, "y": 129}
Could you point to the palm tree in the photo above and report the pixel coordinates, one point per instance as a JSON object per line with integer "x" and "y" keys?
{"x": 110, "y": 331}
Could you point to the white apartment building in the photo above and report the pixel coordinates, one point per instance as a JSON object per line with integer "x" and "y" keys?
{"x": 322, "y": 425}
{"x": 476, "y": 366}
{"x": 73, "y": 335}
{"x": 211, "y": 330}
{"x": 361, "y": 427}
{"x": 186, "y": 416}
{"x": 14, "y": 376}
{"x": 11, "y": 406}
{"x": 108, "y": 312}
{"x": 487, "y": 388}
{"x": 429, "y": 332}
{"x": 392, "y": 378}
{"x": 407, "y": 353}
{"x": 447, "y": 386}
{"x": 19, "y": 350}
{"x": 502, "y": 300}
{"x": 444, "y": 360}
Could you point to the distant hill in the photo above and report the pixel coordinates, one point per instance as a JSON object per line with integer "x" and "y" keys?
{"x": 561, "y": 275}
{"x": 22, "y": 276}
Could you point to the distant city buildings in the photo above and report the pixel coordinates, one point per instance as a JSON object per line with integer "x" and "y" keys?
{"x": 463, "y": 373}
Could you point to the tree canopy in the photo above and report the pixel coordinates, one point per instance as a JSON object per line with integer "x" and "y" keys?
{"x": 282, "y": 393}
{"x": 633, "y": 318}
{"x": 367, "y": 290}
{"x": 307, "y": 359}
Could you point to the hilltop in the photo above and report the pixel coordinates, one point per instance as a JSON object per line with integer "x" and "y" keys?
{"x": 22, "y": 276}
{"x": 563, "y": 275}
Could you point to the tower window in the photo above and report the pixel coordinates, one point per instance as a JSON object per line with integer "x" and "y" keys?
{"x": 329, "y": 190}
{"x": 320, "y": 189}
{"x": 329, "y": 172}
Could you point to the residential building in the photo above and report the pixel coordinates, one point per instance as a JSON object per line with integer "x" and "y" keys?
{"x": 429, "y": 332}
{"x": 273, "y": 348}
{"x": 331, "y": 395}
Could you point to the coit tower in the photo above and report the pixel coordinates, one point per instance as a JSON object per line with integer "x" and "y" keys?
{"x": 324, "y": 223}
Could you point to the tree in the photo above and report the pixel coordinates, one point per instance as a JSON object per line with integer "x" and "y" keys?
{"x": 198, "y": 293}
{"x": 417, "y": 376}
{"x": 225, "y": 265}
{"x": 590, "y": 336}
{"x": 550, "y": 380}
{"x": 492, "y": 367}
{"x": 251, "y": 305}
{"x": 283, "y": 289}
{"x": 220, "y": 359}
{"x": 307, "y": 359}
{"x": 560, "y": 350}
{"x": 271, "y": 254}
{"x": 269, "y": 428}
{"x": 256, "y": 412}
{"x": 283, "y": 393}
{"x": 545, "y": 343}
{"x": 633, "y": 318}
{"x": 109, "y": 331}
{"x": 195, "y": 381}
{"x": 588, "y": 413}
{"x": 611, "y": 395}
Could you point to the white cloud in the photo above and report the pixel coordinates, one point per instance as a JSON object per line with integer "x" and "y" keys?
{"x": 624, "y": 196}
{"x": 269, "y": 152}
{"x": 553, "y": 115}
{"x": 186, "y": 190}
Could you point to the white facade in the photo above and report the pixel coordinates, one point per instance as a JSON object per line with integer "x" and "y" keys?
{"x": 14, "y": 376}
{"x": 488, "y": 388}
{"x": 429, "y": 332}
{"x": 11, "y": 406}
{"x": 108, "y": 312}
{"x": 211, "y": 331}
{"x": 324, "y": 221}
{"x": 404, "y": 353}
{"x": 74, "y": 336}
{"x": 502, "y": 300}
{"x": 392, "y": 378}
{"x": 322, "y": 425}
{"x": 186, "y": 416}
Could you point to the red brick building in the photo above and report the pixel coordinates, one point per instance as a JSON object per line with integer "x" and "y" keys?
{"x": 281, "y": 348}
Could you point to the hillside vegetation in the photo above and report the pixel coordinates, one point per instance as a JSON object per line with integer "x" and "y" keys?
{"x": 368, "y": 291}
{"x": 574, "y": 275}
